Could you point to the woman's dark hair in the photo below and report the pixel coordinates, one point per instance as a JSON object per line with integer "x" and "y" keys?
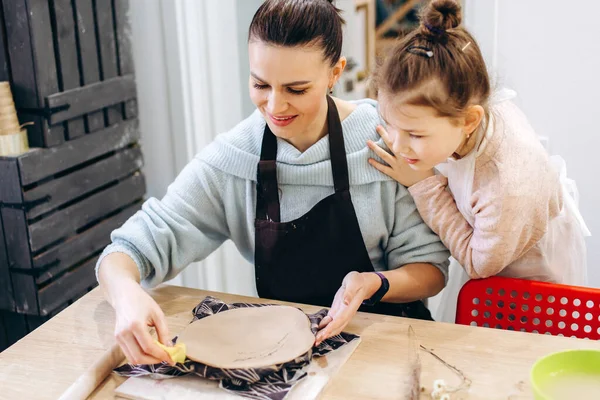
{"x": 292, "y": 23}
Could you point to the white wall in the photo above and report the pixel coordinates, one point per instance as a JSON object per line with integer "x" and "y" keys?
{"x": 244, "y": 13}
{"x": 186, "y": 61}
{"x": 149, "y": 54}
{"x": 153, "y": 94}
{"x": 547, "y": 52}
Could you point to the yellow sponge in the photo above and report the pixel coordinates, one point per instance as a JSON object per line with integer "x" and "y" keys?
{"x": 176, "y": 352}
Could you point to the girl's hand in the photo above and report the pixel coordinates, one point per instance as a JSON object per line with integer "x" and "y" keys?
{"x": 397, "y": 168}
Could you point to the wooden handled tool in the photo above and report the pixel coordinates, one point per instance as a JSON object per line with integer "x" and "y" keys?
{"x": 94, "y": 375}
{"x": 13, "y": 138}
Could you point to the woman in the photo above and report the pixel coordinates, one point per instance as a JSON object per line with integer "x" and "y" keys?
{"x": 279, "y": 185}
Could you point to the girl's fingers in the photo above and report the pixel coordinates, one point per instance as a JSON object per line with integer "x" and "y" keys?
{"x": 382, "y": 168}
{"x": 385, "y": 156}
{"x": 384, "y": 135}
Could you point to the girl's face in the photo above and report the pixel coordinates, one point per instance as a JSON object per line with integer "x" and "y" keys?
{"x": 288, "y": 85}
{"x": 420, "y": 135}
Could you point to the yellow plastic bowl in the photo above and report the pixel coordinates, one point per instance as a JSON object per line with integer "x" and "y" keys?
{"x": 548, "y": 369}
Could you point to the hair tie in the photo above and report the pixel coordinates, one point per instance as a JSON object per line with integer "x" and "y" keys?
{"x": 434, "y": 30}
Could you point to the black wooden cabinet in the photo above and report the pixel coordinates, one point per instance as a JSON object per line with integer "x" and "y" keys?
{"x": 70, "y": 65}
{"x": 71, "y": 72}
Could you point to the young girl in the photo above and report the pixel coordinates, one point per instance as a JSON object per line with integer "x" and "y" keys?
{"x": 498, "y": 202}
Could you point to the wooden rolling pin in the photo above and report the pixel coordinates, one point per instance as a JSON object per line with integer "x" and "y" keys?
{"x": 94, "y": 375}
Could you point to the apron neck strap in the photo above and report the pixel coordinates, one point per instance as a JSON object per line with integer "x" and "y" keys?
{"x": 267, "y": 191}
{"x": 337, "y": 149}
{"x": 267, "y": 188}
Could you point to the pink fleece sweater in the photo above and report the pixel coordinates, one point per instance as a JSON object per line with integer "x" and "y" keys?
{"x": 515, "y": 196}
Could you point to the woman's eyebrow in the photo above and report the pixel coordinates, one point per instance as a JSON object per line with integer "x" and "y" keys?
{"x": 295, "y": 83}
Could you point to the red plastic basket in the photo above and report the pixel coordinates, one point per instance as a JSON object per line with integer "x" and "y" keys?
{"x": 530, "y": 306}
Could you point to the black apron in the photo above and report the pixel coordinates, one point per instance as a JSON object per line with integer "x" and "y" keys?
{"x": 306, "y": 260}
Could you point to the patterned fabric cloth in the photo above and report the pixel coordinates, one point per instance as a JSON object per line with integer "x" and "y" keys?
{"x": 268, "y": 383}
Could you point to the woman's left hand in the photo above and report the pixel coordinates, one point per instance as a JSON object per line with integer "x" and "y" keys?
{"x": 397, "y": 168}
{"x": 346, "y": 303}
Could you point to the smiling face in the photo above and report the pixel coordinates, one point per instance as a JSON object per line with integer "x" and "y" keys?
{"x": 288, "y": 85}
{"x": 422, "y": 137}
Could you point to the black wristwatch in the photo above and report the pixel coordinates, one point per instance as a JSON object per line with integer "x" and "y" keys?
{"x": 383, "y": 289}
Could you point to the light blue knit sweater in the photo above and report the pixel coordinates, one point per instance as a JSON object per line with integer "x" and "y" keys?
{"x": 214, "y": 198}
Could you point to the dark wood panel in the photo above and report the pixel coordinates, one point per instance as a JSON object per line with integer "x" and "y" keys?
{"x": 64, "y": 34}
{"x": 72, "y": 186}
{"x": 23, "y": 85}
{"x": 76, "y": 151}
{"x": 10, "y": 182}
{"x": 7, "y": 301}
{"x": 16, "y": 237}
{"x": 81, "y": 246}
{"x": 62, "y": 307}
{"x": 66, "y": 222}
{"x": 4, "y": 61}
{"x": 108, "y": 52}
{"x": 19, "y": 257}
{"x": 93, "y": 97}
{"x": 124, "y": 49}
{"x": 67, "y": 287}
{"x": 88, "y": 53}
{"x": 20, "y": 53}
{"x": 3, "y": 331}
{"x": 40, "y": 27}
{"x": 15, "y": 325}
{"x": 34, "y": 322}
{"x": 26, "y": 296}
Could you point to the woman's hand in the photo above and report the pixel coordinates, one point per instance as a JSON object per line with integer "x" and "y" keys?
{"x": 355, "y": 288}
{"x": 397, "y": 168}
{"x": 135, "y": 312}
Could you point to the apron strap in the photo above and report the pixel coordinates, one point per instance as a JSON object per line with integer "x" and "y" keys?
{"x": 267, "y": 191}
{"x": 337, "y": 150}
{"x": 267, "y": 207}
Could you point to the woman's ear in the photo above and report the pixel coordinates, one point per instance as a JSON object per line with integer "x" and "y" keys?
{"x": 472, "y": 119}
{"x": 337, "y": 71}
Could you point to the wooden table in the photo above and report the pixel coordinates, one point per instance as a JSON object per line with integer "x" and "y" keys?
{"x": 44, "y": 363}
